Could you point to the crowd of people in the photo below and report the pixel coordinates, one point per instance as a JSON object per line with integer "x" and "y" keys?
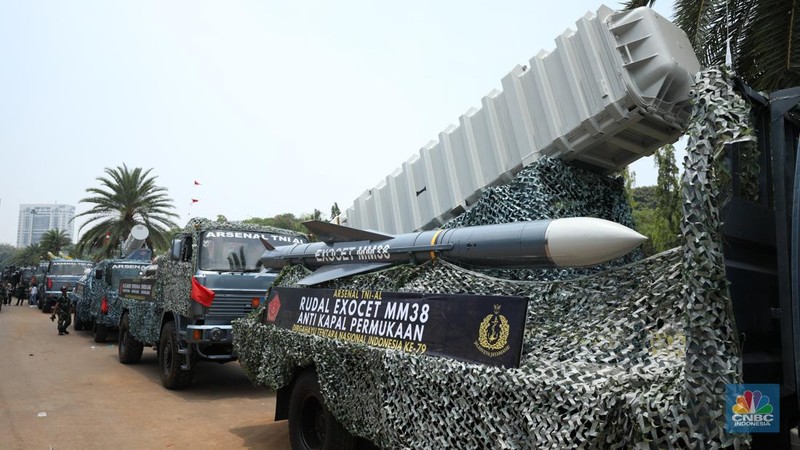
{"x": 14, "y": 285}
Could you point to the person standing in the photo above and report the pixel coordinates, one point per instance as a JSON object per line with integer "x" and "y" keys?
{"x": 9, "y": 293}
{"x": 32, "y": 296}
{"x": 22, "y": 291}
{"x": 63, "y": 309}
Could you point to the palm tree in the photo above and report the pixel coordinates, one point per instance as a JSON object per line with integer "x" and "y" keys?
{"x": 126, "y": 198}
{"x": 54, "y": 241}
{"x": 764, "y": 37}
{"x": 28, "y": 256}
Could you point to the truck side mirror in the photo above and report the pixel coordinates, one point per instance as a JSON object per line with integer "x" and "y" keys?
{"x": 98, "y": 274}
{"x": 175, "y": 250}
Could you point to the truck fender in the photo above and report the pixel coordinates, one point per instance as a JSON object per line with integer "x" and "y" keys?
{"x": 284, "y": 394}
{"x": 168, "y": 316}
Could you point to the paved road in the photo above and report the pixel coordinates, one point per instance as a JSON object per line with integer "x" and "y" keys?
{"x": 67, "y": 392}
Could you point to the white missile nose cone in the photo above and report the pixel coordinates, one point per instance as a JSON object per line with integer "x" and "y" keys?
{"x": 587, "y": 241}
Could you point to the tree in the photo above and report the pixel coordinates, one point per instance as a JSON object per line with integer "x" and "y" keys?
{"x": 668, "y": 195}
{"x": 656, "y": 209}
{"x": 126, "y": 198}
{"x": 54, "y": 241}
{"x": 287, "y": 221}
{"x": 7, "y": 251}
{"x": 764, "y": 37}
{"x": 335, "y": 211}
{"x": 28, "y": 256}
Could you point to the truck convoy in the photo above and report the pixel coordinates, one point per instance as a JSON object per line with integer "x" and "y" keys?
{"x": 696, "y": 347}
{"x": 184, "y": 302}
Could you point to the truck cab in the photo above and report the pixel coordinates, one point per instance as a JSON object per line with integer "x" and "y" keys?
{"x": 212, "y": 275}
{"x": 62, "y": 272}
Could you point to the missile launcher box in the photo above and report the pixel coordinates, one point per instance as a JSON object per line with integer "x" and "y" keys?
{"x": 612, "y": 91}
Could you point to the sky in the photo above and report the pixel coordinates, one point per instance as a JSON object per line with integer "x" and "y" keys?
{"x": 272, "y": 106}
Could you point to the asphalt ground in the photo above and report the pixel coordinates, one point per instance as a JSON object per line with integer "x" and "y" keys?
{"x": 68, "y": 392}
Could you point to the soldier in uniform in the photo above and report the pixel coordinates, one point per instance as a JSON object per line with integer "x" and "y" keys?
{"x": 22, "y": 292}
{"x": 63, "y": 309}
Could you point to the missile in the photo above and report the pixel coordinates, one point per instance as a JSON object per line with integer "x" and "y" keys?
{"x": 345, "y": 251}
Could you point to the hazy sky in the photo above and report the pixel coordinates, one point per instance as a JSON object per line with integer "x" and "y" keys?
{"x": 273, "y": 106}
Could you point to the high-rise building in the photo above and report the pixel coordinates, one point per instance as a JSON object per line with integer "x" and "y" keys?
{"x": 36, "y": 220}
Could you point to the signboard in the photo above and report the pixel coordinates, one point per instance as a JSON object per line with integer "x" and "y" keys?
{"x": 137, "y": 289}
{"x": 473, "y": 328}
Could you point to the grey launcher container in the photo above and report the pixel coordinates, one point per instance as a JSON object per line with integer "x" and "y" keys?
{"x": 613, "y": 91}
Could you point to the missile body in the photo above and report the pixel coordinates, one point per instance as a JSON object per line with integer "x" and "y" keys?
{"x": 344, "y": 251}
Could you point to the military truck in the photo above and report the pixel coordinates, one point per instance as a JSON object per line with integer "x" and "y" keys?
{"x": 60, "y": 273}
{"x": 696, "y": 347}
{"x": 185, "y": 301}
{"x": 97, "y": 304}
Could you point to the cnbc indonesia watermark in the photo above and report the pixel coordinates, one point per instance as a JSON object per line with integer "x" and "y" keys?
{"x": 752, "y": 408}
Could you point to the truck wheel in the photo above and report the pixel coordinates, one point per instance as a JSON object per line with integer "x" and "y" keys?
{"x": 311, "y": 425}
{"x": 77, "y": 323}
{"x": 100, "y": 333}
{"x": 130, "y": 350}
{"x": 170, "y": 361}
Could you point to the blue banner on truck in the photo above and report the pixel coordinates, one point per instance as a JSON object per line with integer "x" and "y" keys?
{"x": 473, "y": 328}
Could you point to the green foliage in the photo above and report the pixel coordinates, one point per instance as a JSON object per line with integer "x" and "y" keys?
{"x": 335, "y": 211}
{"x": 656, "y": 209}
{"x": 7, "y": 252}
{"x": 287, "y": 221}
{"x": 645, "y": 197}
{"x": 126, "y": 198}
{"x": 28, "y": 256}
{"x": 668, "y": 194}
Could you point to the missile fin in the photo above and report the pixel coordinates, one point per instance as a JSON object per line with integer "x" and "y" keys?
{"x": 330, "y": 233}
{"x": 327, "y": 273}
{"x": 266, "y": 244}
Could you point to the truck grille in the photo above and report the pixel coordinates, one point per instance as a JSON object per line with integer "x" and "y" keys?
{"x": 231, "y": 304}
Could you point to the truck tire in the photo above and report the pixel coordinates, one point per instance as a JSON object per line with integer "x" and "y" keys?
{"x": 170, "y": 361}
{"x": 130, "y": 350}
{"x": 77, "y": 324}
{"x": 311, "y": 424}
{"x": 100, "y": 333}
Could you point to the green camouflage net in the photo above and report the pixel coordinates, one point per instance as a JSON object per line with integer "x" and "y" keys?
{"x": 633, "y": 357}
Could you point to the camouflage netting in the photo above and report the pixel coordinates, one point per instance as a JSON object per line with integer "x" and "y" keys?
{"x": 144, "y": 319}
{"x": 83, "y": 304}
{"x": 637, "y": 356}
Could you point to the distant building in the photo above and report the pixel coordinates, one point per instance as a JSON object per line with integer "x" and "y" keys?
{"x": 36, "y": 220}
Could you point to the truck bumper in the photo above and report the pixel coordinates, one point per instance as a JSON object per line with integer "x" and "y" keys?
{"x": 209, "y": 334}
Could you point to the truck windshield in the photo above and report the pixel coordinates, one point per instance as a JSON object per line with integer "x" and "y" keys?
{"x": 122, "y": 271}
{"x": 236, "y": 250}
{"x": 72, "y": 268}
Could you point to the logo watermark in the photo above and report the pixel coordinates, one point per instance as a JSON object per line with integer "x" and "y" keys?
{"x": 752, "y": 408}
